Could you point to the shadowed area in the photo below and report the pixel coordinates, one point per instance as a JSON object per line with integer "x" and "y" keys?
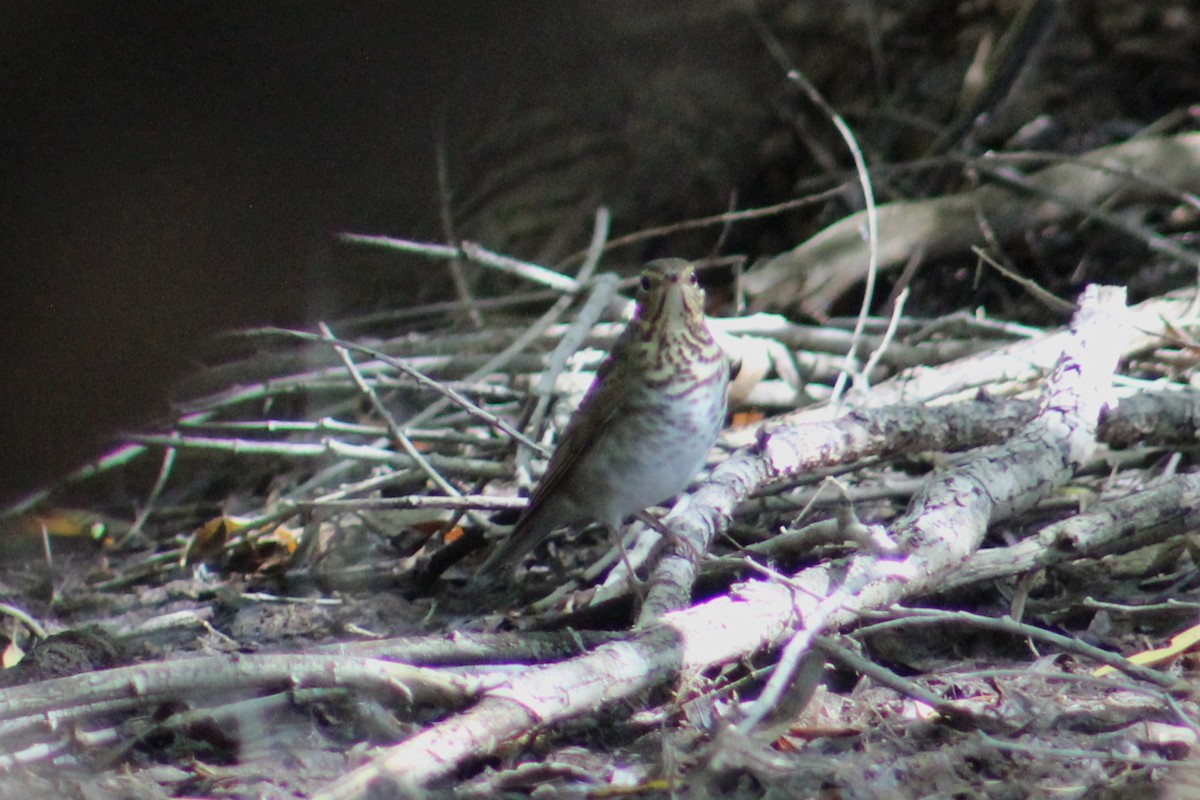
{"x": 169, "y": 172}
{"x": 172, "y": 171}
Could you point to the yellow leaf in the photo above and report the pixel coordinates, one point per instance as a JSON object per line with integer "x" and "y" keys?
{"x": 1180, "y": 643}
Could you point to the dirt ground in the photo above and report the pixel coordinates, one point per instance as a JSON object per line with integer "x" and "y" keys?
{"x": 917, "y": 571}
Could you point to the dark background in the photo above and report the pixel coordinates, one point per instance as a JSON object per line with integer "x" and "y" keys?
{"x": 171, "y": 170}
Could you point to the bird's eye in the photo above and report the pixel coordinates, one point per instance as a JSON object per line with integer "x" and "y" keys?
{"x": 692, "y": 279}
{"x": 645, "y": 284}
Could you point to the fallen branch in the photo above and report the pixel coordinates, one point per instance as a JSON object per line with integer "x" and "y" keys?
{"x": 821, "y": 269}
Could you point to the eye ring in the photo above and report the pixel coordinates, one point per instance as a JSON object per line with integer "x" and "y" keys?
{"x": 645, "y": 283}
{"x": 693, "y": 280}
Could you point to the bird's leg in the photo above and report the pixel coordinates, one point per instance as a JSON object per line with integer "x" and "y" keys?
{"x": 618, "y": 541}
{"x": 670, "y": 537}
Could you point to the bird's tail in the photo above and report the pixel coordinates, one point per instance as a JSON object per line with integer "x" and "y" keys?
{"x": 531, "y": 530}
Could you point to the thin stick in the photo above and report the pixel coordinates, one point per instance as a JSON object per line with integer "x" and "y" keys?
{"x": 864, "y": 178}
{"x": 393, "y": 429}
{"x": 445, "y": 196}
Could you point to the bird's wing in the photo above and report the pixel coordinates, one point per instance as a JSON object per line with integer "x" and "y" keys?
{"x": 547, "y": 509}
{"x": 599, "y": 407}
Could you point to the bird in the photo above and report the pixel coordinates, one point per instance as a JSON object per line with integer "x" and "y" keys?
{"x": 645, "y": 426}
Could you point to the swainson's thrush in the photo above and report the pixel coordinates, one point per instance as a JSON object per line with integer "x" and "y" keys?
{"x": 644, "y": 427}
